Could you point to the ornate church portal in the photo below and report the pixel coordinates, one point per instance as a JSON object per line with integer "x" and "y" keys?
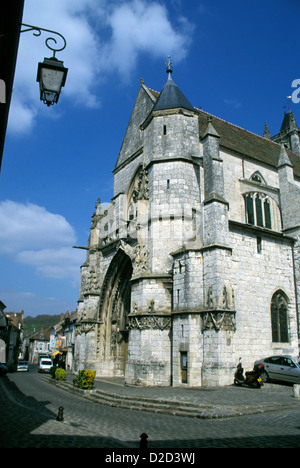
{"x": 114, "y": 310}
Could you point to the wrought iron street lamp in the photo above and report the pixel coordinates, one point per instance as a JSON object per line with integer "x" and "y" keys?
{"x": 51, "y": 73}
{"x": 52, "y": 77}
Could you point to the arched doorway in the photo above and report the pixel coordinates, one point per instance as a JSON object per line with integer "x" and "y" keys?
{"x": 114, "y": 310}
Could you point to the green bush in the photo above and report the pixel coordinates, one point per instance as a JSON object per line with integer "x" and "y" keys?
{"x": 60, "y": 374}
{"x": 57, "y": 373}
{"x": 85, "y": 379}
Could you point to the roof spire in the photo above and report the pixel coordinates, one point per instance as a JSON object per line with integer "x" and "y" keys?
{"x": 169, "y": 66}
{"x": 267, "y": 132}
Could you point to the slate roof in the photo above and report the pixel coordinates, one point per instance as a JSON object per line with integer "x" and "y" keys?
{"x": 232, "y": 137}
{"x": 246, "y": 143}
{"x": 172, "y": 98}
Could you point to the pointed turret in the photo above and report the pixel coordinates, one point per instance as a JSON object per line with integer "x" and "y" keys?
{"x": 171, "y": 97}
{"x": 284, "y": 160}
{"x": 289, "y": 133}
{"x": 289, "y": 122}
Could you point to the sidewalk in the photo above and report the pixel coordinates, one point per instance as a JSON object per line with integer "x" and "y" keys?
{"x": 200, "y": 402}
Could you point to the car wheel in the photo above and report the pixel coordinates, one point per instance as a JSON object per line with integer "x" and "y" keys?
{"x": 265, "y": 376}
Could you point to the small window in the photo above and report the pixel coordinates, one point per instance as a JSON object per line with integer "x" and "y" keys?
{"x": 259, "y": 244}
{"x": 194, "y": 220}
{"x": 165, "y": 129}
{"x": 184, "y": 366}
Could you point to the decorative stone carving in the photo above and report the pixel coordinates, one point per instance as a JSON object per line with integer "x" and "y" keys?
{"x": 145, "y": 322}
{"x": 116, "y": 337}
{"x": 85, "y": 327}
{"x": 209, "y": 300}
{"x": 226, "y": 301}
{"x": 220, "y": 313}
{"x": 96, "y": 215}
{"x": 140, "y": 192}
{"x": 140, "y": 260}
{"x": 218, "y": 320}
{"x": 228, "y": 297}
{"x": 92, "y": 285}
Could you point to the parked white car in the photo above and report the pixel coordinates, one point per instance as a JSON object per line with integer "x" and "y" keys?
{"x": 45, "y": 365}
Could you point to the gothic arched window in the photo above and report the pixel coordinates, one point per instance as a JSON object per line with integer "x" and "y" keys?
{"x": 279, "y": 318}
{"x": 258, "y": 210}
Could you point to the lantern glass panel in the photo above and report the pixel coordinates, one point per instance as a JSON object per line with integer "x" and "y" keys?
{"x": 52, "y": 79}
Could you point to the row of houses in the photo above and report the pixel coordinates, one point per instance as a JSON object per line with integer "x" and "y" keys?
{"x": 11, "y": 335}
{"x": 56, "y": 342}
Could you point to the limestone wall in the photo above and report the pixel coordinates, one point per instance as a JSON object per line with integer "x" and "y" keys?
{"x": 255, "y": 278}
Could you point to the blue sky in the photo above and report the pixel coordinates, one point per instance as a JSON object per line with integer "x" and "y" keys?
{"x": 236, "y": 60}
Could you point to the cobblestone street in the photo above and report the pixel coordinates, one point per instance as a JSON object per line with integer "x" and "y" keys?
{"x": 29, "y": 407}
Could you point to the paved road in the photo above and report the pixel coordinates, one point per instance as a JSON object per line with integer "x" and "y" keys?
{"x": 29, "y": 406}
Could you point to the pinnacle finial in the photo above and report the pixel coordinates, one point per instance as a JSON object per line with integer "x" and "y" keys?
{"x": 169, "y": 66}
{"x": 267, "y": 132}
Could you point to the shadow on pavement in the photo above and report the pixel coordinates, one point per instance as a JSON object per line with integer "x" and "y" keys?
{"x": 21, "y": 415}
{"x": 23, "y": 420}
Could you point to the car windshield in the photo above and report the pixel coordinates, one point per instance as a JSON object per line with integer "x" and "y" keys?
{"x": 22, "y": 363}
{"x": 46, "y": 361}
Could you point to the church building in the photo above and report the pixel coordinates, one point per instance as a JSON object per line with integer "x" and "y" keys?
{"x": 196, "y": 260}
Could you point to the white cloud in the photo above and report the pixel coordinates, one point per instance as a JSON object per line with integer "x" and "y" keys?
{"x": 143, "y": 27}
{"x": 103, "y": 37}
{"x": 233, "y": 103}
{"x": 60, "y": 262}
{"x": 33, "y": 236}
{"x": 34, "y": 304}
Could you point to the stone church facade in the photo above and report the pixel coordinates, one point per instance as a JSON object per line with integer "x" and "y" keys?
{"x": 196, "y": 261}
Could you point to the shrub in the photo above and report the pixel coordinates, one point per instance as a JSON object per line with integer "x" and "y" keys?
{"x": 85, "y": 379}
{"x": 60, "y": 374}
{"x": 57, "y": 373}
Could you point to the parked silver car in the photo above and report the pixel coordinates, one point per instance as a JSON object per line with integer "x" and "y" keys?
{"x": 285, "y": 368}
{"x": 22, "y": 366}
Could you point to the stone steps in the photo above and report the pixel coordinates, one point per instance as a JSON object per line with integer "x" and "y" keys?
{"x": 155, "y": 405}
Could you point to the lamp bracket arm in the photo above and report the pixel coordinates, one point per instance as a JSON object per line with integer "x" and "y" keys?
{"x": 37, "y": 31}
